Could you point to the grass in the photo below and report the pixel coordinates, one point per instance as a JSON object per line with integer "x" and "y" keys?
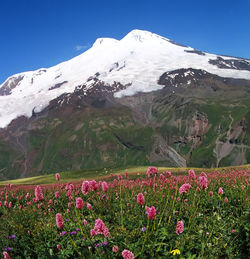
{"x": 76, "y": 176}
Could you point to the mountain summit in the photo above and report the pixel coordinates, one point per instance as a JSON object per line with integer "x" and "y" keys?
{"x": 140, "y": 100}
{"x": 137, "y": 61}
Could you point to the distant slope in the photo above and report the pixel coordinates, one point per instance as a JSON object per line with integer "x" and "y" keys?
{"x": 78, "y": 176}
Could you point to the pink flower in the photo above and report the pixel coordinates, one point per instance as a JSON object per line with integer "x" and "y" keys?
{"x": 226, "y": 200}
{"x": 211, "y": 194}
{"x": 58, "y": 177}
{"x": 79, "y": 203}
{"x": 104, "y": 186}
{"x": 85, "y": 222}
{"x": 93, "y": 185}
{"x": 58, "y": 247}
{"x": 85, "y": 187}
{"x": 99, "y": 229}
{"x": 6, "y": 255}
{"x": 115, "y": 249}
{"x": 220, "y": 191}
{"x": 89, "y": 206}
{"x": 203, "y": 182}
{"x": 203, "y": 174}
{"x": 92, "y": 232}
{"x": 179, "y": 227}
{"x": 59, "y": 221}
{"x": 126, "y": 254}
{"x": 191, "y": 174}
{"x": 57, "y": 195}
{"x": 38, "y": 193}
{"x": 151, "y": 211}
{"x": 233, "y": 230}
{"x": 151, "y": 170}
{"x": 71, "y": 187}
{"x": 140, "y": 199}
{"x": 119, "y": 177}
{"x": 184, "y": 188}
{"x": 168, "y": 173}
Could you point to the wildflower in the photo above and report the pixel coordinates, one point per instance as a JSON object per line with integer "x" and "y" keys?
{"x": 63, "y": 233}
{"x": 68, "y": 194}
{"x": 92, "y": 232}
{"x": 89, "y": 206}
{"x": 12, "y": 237}
{"x": 58, "y": 177}
{"x": 59, "y": 221}
{"x": 179, "y": 227}
{"x": 105, "y": 243}
{"x": 211, "y": 194}
{"x": 192, "y": 174}
{"x": 104, "y": 186}
{"x": 57, "y": 195}
{"x": 79, "y": 203}
{"x": 203, "y": 182}
{"x": 115, "y": 249}
{"x": 143, "y": 229}
{"x": 226, "y": 200}
{"x": 58, "y": 247}
{"x": 85, "y": 222}
{"x": 175, "y": 251}
{"x": 119, "y": 177}
{"x": 126, "y": 254}
{"x": 233, "y": 230}
{"x": 85, "y": 187}
{"x": 99, "y": 228}
{"x": 38, "y": 193}
{"x": 6, "y": 255}
{"x": 220, "y": 191}
{"x": 151, "y": 211}
{"x": 168, "y": 173}
{"x": 140, "y": 199}
{"x": 184, "y": 188}
{"x": 151, "y": 170}
{"x": 93, "y": 185}
{"x": 203, "y": 174}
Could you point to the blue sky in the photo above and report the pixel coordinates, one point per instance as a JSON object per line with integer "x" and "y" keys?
{"x": 42, "y": 33}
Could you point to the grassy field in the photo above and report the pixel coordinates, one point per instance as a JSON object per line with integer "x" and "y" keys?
{"x": 189, "y": 215}
{"x": 76, "y": 176}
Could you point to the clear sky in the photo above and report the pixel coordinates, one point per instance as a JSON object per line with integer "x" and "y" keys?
{"x": 42, "y": 33}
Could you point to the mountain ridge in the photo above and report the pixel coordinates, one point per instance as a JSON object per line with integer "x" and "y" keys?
{"x": 138, "y": 101}
{"x": 137, "y": 60}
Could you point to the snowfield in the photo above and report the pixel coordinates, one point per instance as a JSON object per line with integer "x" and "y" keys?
{"x": 139, "y": 59}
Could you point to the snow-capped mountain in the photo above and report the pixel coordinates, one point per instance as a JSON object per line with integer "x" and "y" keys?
{"x": 136, "y": 62}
